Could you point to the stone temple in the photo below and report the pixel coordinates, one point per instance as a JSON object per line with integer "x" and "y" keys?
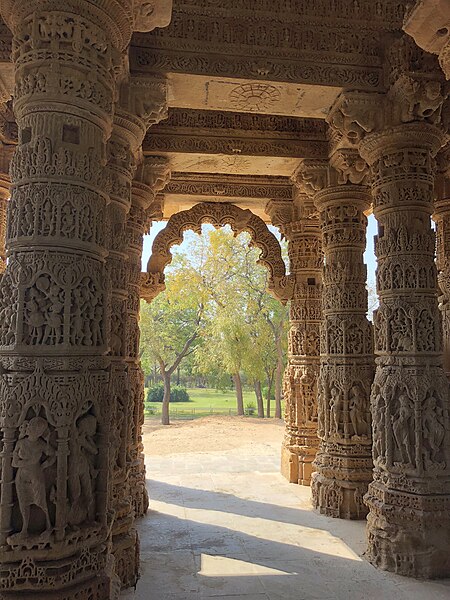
{"x": 307, "y": 115}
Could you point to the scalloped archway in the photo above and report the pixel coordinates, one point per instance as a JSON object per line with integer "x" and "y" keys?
{"x": 280, "y": 285}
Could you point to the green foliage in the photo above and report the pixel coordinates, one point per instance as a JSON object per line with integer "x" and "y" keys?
{"x": 155, "y": 393}
{"x": 264, "y": 391}
{"x": 215, "y": 318}
{"x": 177, "y": 394}
{"x": 250, "y": 408}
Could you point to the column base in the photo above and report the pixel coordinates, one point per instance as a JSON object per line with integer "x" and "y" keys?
{"x": 126, "y": 554}
{"x": 140, "y": 500}
{"x": 407, "y": 533}
{"x": 100, "y": 587}
{"x": 337, "y": 498}
{"x": 297, "y": 467}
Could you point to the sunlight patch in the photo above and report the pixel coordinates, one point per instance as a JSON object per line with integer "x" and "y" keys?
{"x": 222, "y": 566}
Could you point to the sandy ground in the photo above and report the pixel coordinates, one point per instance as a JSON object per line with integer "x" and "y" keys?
{"x": 213, "y": 433}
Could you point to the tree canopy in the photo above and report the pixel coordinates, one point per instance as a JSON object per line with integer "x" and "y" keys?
{"x": 216, "y": 311}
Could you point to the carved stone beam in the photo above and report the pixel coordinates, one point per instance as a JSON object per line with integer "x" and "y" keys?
{"x": 428, "y": 22}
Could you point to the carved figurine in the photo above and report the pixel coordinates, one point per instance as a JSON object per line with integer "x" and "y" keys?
{"x": 27, "y": 458}
{"x": 357, "y": 403}
{"x": 336, "y": 409}
{"x": 433, "y": 427}
{"x": 402, "y": 428}
{"x": 82, "y": 472}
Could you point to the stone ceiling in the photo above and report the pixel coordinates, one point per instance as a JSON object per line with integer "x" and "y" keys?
{"x": 250, "y": 85}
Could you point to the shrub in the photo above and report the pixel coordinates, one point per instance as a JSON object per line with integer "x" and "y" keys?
{"x": 250, "y": 408}
{"x": 155, "y": 393}
{"x": 177, "y": 394}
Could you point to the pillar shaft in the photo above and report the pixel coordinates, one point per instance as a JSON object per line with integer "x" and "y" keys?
{"x": 343, "y": 462}
{"x": 6, "y": 152}
{"x": 151, "y": 177}
{"x": 409, "y": 499}
{"x": 300, "y": 378}
{"x": 131, "y": 119}
{"x": 442, "y": 219}
{"x": 55, "y": 300}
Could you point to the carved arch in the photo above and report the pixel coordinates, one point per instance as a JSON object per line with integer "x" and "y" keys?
{"x": 280, "y": 285}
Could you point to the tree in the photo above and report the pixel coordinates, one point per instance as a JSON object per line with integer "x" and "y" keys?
{"x": 248, "y": 326}
{"x": 171, "y": 325}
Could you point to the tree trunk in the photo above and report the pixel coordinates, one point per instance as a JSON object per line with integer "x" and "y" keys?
{"x": 278, "y": 379}
{"x": 178, "y": 376}
{"x": 239, "y": 397}
{"x": 259, "y": 399}
{"x": 269, "y": 392}
{"x": 166, "y": 399}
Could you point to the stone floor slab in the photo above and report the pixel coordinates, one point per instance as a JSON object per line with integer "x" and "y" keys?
{"x": 226, "y": 525}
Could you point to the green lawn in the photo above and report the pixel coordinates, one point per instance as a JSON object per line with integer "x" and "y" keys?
{"x": 203, "y": 402}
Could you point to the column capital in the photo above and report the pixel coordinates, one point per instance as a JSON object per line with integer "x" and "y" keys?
{"x": 344, "y": 168}
{"x": 144, "y": 99}
{"x": 154, "y": 171}
{"x": 311, "y": 176}
{"x": 428, "y": 24}
{"x": 150, "y": 15}
{"x": 416, "y": 93}
{"x": 280, "y": 212}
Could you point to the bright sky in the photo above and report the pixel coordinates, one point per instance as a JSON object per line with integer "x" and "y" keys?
{"x": 369, "y": 255}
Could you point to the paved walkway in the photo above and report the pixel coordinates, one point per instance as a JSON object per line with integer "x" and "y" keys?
{"x": 226, "y": 525}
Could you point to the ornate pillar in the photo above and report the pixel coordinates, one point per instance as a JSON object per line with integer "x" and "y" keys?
{"x": 409, "y": 499}
{"x": 299, "y": 224}
{"x": 6, "y": 152}
{"x": 441, "y": 217}
{"x": 55, "y": 303}
{"x": 141, "y": 103}
{"x": 343, "y": 463}
{"x": 54, "y": 518}
{"x": 151, "y": 177}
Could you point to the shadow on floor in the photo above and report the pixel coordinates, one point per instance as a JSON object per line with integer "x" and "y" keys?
{"x": 209, "y": 544}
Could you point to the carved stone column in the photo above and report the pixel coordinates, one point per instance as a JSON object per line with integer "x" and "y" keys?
{"x": 6, "y": 152}
{"x": 152, "y": 175}
{"x": 55, "y": 302}
{"x": 298, "y": 222}
{"x": 141, "y": 104}
{"x": 441, "y": 217}
{"x": 343, "y": 463}
{"x": 409, "y": 500}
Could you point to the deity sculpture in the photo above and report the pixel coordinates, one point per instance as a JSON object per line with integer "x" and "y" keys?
{"x": 82, "y": 472}
{"x": 31, "y": 456}
{"x": 336, "y": 409}
{"x": 401, "y": 427}
{"x": 433, "y": 428}
{"x": 357, "y": 403}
